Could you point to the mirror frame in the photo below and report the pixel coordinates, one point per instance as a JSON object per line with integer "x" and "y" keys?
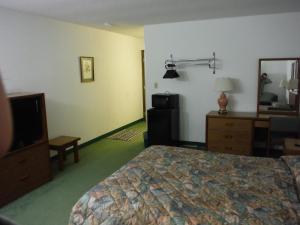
{"x": 278, "y": 112}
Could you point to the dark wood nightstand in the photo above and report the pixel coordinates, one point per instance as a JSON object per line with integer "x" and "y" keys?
{"x": 60, "y": 144}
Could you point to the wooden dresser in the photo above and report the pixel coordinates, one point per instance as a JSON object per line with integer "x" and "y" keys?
{"x": 231, "y": 133}
{"x": 27, "y": 164}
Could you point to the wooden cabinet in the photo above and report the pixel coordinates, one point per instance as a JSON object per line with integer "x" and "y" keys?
{"x": 231, "y": 133}
{"x": 28, "y": 166}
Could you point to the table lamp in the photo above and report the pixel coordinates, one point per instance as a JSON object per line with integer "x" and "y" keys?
{"x": 283, "y": 84}
{"x": 223, "y": 84}
{"x": 292, "y": 84}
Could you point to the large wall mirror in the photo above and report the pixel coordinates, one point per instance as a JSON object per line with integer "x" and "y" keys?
{"x": 278, "y": 86}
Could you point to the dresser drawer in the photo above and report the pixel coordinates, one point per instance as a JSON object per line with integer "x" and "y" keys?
{"x": 235, "y": 137}
{"x": 229, "y": 124}
{"x": 14, "y": 159}
{"x": 230, "y": 149}
{"x": 31, "y": 165}
{"x": 20, "y": 180}
{"x": 23, "y": 171}
{"x": 7, "y": 186}
{"x": 32, "y": 177}
{"x": 229, "y": 135}
{"x": 25, "y": 158}
{"x": 262, "y": 124}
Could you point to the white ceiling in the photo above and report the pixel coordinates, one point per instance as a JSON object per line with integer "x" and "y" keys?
{"x": 129, "y": 16}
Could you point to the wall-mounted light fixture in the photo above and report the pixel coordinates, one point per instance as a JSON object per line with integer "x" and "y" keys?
{"x": 171, "y": 69}
{"x": 170, "y": 65}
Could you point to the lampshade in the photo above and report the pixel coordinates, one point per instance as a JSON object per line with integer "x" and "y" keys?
{"x": 292, "y": 84}
{"x": 283, "y": 84}
{"x": 223, "y": 84}
{"x": 171, "y": 74}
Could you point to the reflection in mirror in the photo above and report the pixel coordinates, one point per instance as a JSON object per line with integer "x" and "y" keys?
{"x": 278, "y": 86}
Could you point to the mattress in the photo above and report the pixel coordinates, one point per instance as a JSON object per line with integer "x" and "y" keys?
{"x": 170, "y": 185}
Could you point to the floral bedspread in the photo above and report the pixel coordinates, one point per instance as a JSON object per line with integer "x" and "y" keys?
{"x": 177, "y": 186}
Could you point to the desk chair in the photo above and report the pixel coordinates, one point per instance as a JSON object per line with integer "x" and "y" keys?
{"x": 280, "y": 128}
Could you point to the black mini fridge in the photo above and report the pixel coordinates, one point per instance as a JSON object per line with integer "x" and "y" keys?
{"x": 163, "y": 120}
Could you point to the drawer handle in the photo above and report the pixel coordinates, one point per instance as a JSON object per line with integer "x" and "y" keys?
{"x": 228, "y": 136}
{"x": 229, "y": 124}
{"x": 24, "y": 178}
{"x": 228, "y": 148}
{"x": 22, "y": 161}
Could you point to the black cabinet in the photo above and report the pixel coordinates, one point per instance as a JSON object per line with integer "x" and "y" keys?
{"x": 163, "y": 122}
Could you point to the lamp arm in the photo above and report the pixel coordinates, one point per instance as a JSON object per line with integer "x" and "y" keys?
{"x": 211, "y": 62}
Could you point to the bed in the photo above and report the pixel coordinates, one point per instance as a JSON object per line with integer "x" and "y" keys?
{"x": 170, "y": 185}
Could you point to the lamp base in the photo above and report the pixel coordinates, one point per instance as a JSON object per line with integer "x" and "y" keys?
{"x": 222, "y": 111}
{"x": 222, "y": 101}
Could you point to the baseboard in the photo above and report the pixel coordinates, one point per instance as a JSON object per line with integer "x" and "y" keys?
{"x": 187, "y": 144}
{"x": 103, "y": 136}
{"x": 109, "y": 133}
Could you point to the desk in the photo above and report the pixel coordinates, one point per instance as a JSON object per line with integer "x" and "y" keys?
{"x": 234, "y": 132}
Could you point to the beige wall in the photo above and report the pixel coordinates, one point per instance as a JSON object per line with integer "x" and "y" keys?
{"x": 238, "y": 42}
{"x": 41, "y": 55}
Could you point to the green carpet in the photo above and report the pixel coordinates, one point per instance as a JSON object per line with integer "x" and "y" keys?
{"x": 51, "y": 203}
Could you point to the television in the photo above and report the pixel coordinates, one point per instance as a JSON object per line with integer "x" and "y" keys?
{"x": 27, "y": 122}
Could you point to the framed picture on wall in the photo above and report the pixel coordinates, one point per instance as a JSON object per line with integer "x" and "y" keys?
{"x": 87, "y": 69}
